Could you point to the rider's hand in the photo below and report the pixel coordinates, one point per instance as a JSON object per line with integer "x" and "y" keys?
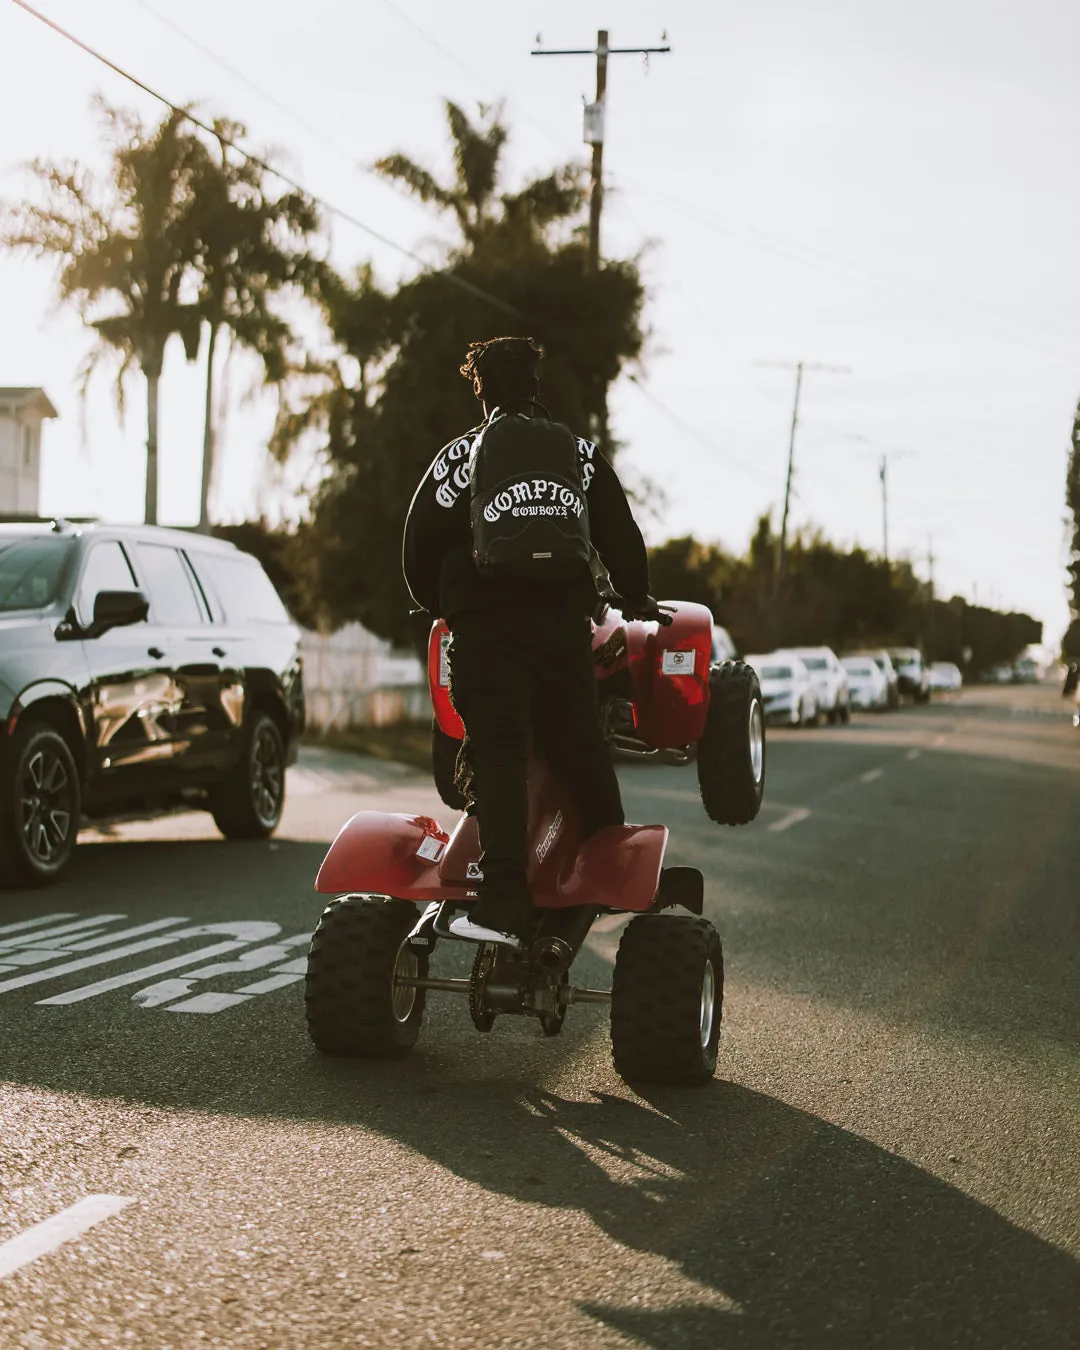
{"x": 647, "y": 609}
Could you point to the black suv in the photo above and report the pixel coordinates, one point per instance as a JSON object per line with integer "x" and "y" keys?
{"x": 140, "y": 668}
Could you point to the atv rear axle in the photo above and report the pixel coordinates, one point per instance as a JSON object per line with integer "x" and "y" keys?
{"x": 567, "y": 995}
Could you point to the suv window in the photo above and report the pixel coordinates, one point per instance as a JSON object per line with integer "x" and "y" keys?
{"x": 31, "y": 571}
{"x": 241, "y": 588}
{"x": 107, "y": 569}
{"x": 173, "y": 600}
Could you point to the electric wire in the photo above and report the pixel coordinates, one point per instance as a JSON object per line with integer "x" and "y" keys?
{"x": 459, "y": 282}
{"x": 697, "y": 435}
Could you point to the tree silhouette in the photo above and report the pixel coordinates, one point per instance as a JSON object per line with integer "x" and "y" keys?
{"x": 126, "y": 251}
{"x": 251, "y": 246}
{"x": 381, "y": 415}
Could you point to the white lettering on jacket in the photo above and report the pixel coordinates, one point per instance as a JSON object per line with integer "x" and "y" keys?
{"x": 449, "y": 487}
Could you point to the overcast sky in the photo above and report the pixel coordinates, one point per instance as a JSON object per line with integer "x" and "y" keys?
{"x": 891, "y": 188}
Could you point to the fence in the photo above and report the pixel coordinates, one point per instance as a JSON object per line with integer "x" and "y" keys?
{"x": 353, "y": 678}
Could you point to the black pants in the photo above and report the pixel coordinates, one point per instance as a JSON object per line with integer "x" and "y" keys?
{"x": 512, "y": 675}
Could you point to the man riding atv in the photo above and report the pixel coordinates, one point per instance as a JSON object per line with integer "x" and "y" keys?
{"x": 501, "y": 540}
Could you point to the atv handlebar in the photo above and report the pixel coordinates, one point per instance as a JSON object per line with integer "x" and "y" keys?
{"x": 649, "y": 610}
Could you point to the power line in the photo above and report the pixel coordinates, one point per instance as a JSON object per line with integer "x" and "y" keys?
{"x": 698, "y": 436}
{"x": 270, "y": 98}
{"x": 327, "y": 206}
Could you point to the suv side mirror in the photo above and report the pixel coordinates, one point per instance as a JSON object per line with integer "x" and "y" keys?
{"x": 117, "y": 609}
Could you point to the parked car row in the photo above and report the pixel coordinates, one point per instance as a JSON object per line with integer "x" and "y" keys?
{"x": 800, "y": 686}
{"x": 803, "y": 685}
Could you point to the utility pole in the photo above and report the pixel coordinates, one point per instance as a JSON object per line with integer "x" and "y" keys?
{"x": 885, "y": 507}
{"x": 799, "y": 367}
{"x": 594, "y": 120}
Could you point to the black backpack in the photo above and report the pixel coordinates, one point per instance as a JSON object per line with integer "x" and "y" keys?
{"x": 529, "y": 514}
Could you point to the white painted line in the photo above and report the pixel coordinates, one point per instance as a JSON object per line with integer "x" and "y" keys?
{"x": 32, "y": 923}
{"x": 208, "y": 1003}
{"x": 51, "y": 1233}
{"x": 137, "y": 976}
{"x": 253, "y": 931}
{"x": 913, "y": 754}
{"x": 793, "y": 817}
{"x": 167, "y": 990}
{"x": 63, "y": 932}
{"x": 871, "y": 775}
{"x": 37, "y": 956}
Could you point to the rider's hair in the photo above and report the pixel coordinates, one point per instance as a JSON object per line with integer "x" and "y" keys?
{"x": 503, "y": 369}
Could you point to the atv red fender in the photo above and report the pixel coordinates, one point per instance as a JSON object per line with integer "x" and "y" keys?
{"x": 413, "y": 858}
{"x": 382, "y": 854}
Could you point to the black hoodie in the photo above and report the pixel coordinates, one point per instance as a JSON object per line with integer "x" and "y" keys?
{"x": 437, "y": 555}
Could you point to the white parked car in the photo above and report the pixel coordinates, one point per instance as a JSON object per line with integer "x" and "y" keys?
{"x": 883, "y": 661}
{"x": 869, "y": 687}
{"x": 723, "y": 649}
{"x": 786, "y": 689}
{"x": 944, "y": 677}
{"x": 830, "y": 681}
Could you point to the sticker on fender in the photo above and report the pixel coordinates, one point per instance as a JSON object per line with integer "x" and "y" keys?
{"x": 677, "y": 663}
{"x": 430, "y": 848}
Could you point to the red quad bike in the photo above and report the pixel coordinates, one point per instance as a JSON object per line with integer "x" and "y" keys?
{"x": 368, "y": 969}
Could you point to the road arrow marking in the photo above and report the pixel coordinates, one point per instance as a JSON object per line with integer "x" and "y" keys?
{"x": 871, "y": 775}
{"x": 51, "y": 1233}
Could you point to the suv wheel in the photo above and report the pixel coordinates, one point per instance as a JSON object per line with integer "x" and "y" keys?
{"x": 40, "y": 805}
{"x": 248, "y": 805}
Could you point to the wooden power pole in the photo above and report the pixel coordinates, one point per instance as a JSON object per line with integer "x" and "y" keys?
{"x": 799, "y": 367}
{"x": 594, "y": 121}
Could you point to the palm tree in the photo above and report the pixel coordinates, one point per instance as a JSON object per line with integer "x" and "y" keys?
{"x": 472, "y": 198}
{"x": 126, "y": 251}
{"x": 251, "y": 247}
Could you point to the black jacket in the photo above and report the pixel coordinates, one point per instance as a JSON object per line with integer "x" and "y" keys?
{"x": 437, "y": 552}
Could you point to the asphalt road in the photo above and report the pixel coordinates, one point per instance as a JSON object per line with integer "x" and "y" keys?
{"x": 889, "y": 1155}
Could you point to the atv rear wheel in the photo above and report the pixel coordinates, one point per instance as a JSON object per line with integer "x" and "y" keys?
{"x": 444, "y": 753}
{"x": 355, "y": 1005}
{"x": 731, "y": 752}
{"x": 667, "y": 996}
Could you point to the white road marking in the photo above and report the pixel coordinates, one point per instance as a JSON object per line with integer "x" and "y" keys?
{"x": 292, "y": 972}
{"x": 793, "y": 817}
{"x": 871, "y": 775}
{"x": 36, "y": 956}
{"x": 167, "y": 990}
{"x": 63, "y": 933}
{"x": 137, "y": 976}
{"x": 913, "y": 754}
{"x": 32, "y": 923}
{"x": 252, "y": 931}
{"x": 53, "y": 1232}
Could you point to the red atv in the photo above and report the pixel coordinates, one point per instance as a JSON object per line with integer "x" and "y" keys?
{"x": 368, "y": 967}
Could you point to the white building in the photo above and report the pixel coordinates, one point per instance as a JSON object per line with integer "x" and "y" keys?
{"x": 22, "y": 412}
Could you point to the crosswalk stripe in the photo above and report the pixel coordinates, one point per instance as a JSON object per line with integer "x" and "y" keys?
{"x": 32, "y": 923}
{"x": 64, "y": 931}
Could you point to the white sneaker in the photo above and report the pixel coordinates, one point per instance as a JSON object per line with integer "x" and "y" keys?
{"x": 463, "y": 927}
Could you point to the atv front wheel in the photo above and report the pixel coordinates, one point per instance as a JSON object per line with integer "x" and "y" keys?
{"x": 667, "y": 996}
{"x": 355, "y": 1003}
{"x": 731, "y": 752}
{"x": 444, "y": 753}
